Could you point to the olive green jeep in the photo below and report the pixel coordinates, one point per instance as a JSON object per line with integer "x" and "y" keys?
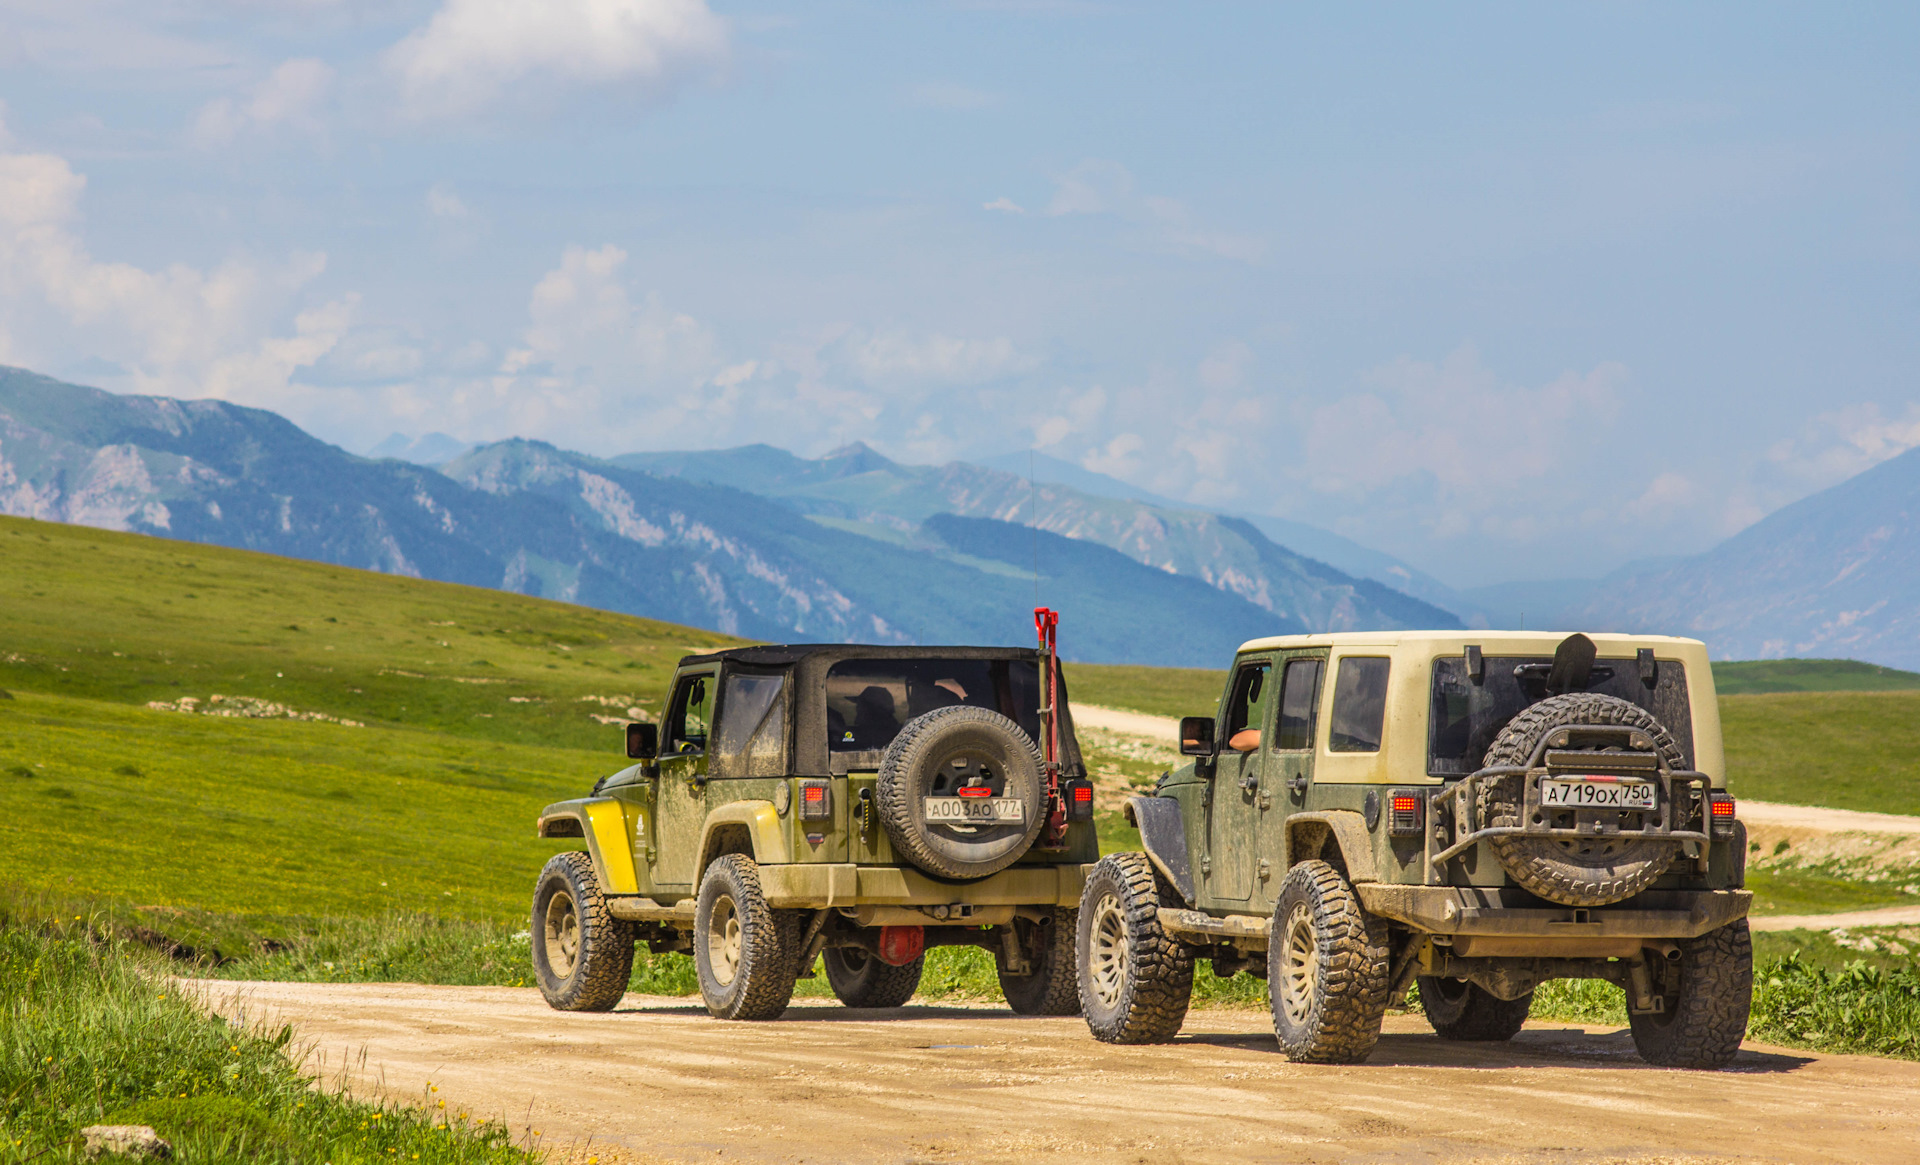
{"x": 1475, "y": 812}
{"x": 862, "y": 803}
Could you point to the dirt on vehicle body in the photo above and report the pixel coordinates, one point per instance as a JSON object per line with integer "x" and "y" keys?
{"x": 1475, "y": 812}
{"x": 855, "y": 802}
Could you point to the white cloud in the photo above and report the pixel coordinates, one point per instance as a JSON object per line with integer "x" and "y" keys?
{"x": 179, "y": 330}
{"x": 442, "y": 202}
{"x": 1839, "y": 444}
{"x": 471, "y": 51}
{"x": 1101, "y": 187}
{"x": 291, "y": 95}
{"x": 1004, "y": 205}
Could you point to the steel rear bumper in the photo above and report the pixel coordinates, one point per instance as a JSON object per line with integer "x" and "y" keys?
{"x": 1492, "y": 912}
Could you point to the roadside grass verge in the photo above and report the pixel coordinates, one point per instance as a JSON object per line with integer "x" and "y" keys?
{"x": 89, "y": 1035}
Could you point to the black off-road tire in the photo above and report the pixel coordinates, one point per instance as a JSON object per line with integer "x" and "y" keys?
{"x": 732, "y": 924}
{"x": 920, "y": 758}
{"x": 1136, "y": 980}
{"x": 1459, "y": 1010}
{"x": 1053, "y": 987}
{"x": 1585, "y": 872}
{"x": 582, "y": 955}
{"x": 1327, "y": 969}
{"x": 1708, "y": 994}
{"x": 860, "y": 979}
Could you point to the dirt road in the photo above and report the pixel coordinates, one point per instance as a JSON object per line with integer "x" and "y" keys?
{"x": 662, "y": 1082}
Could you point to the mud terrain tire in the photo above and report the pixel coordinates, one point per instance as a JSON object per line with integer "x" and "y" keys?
{"x": 1136, "y": 980}
{"x": 582, "y": 955}
{"x": 1053, "y": 987}
{"x": 743, "y": 950}
{"x": 921, "y": 762}
{"x": 1707, "y": 994}
{"x": 1459, "y": 1010}
{"x": 860, "y": 979}
{"x": 1582, "y": 872}
{"x": 1327, "y": 969}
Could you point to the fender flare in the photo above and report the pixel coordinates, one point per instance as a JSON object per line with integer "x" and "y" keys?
{"x": 1163, "y": 833}
{"x": 1307, "y": 834}
{"x": 766, "y": 839}
{"x": 602, "y": 824}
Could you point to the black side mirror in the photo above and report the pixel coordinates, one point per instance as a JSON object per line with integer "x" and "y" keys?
{"x": 643, "y": 741}
{"x": 1196, "y": 736}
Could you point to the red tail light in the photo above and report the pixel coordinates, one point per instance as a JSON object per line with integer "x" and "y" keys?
{"x": 816, "y": 801}
{"x": 1078, "y": 795}
{"x": 975, "y": 791}
{"x": 1404, "y": 813}
{"x": 1720, "y": 809}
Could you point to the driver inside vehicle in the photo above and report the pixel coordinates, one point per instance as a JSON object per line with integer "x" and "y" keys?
{"x": 1248, "y": 710}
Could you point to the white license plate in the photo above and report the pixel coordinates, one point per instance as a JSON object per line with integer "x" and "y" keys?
{"x": 1597, "y": 793}
{"x": 973, "y": 810}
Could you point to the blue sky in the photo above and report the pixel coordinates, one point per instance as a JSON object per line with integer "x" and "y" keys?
{"x": 1510, "y": 291}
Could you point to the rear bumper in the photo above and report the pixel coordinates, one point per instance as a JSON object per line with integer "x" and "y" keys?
{"x": 888, "y": 894}
{"x": 1491, "y": 912}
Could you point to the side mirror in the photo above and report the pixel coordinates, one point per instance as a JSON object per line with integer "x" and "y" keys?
{"x": 1196, "y": 736}
{"x": 643, "y": 741}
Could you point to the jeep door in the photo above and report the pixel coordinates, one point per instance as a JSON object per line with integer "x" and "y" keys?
{"x": 682, "y": 794}
{"x": 1289, "y": 764}
{"x": 1234, "y": 806}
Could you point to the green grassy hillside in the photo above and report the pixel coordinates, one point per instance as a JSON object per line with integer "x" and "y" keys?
{"x": 1750, "y": 677}
{"x": 1843, "y": 750}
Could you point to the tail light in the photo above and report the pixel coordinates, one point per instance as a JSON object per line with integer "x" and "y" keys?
{"x": 816, "y": 801}
{"x": 1079, "y": 798}
{"x": 1720, "y": 809}
{"x": 1405, "y": 813}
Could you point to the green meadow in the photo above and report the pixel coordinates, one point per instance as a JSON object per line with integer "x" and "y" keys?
{"x": 373, "y": 819}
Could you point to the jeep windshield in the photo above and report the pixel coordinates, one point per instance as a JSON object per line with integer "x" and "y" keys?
{"x": 1466, "y": 714}
{"x": 870, "y": 700}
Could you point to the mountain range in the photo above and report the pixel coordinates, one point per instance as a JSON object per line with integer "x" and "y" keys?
{"x": 754, "y": 541}
{"x": 759, "y": 542}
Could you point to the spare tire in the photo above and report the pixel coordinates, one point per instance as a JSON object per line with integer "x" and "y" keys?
{"x": 918, "y": 792}
{"x": 1581, "y": 871}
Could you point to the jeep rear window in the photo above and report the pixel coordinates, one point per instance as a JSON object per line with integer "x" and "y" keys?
{"x": 870, "y": 700}
{"x": 1464, "y": 716}
{"x": 1359, "y": 704}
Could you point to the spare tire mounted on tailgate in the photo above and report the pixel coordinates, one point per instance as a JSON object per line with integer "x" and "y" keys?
{"x": 960, "y": 792}
{"x": 1586, "y": 871}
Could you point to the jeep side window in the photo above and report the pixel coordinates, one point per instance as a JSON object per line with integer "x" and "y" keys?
{"x": 692, "y": 712}
{"x": 1299, "y": 693}
{"x": 1359, "y": 704}
{"x": 1246, "y": 712}
{"x": 753, "y": 738}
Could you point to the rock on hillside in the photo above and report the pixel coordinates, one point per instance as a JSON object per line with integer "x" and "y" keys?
{"x": 1834, "y": 574}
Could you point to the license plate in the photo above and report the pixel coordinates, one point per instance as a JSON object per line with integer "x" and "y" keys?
{"x": 1597, "y": 793}
{"x": 973, "y": 810}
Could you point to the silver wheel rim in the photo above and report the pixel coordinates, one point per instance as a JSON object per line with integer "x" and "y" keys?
{"x": 723, "y": 940}
{"x": 1301, "y": 974}
{"x": 562, "y": 934}
{"x": 1107, "y": 953}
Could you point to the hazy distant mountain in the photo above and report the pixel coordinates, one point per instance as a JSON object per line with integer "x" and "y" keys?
{"x": 432, "y": 449}
{"x": 868, "y": 493}
{"x": 1343, "y": 554}
{"x": 1835, "y": 574}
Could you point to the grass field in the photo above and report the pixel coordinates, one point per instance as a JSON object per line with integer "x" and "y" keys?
{"x": 400, "y": 847}
{"x": 1759, "y": 676}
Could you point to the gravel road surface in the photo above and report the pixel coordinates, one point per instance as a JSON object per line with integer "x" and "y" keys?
{"x": 658, "y": 1080}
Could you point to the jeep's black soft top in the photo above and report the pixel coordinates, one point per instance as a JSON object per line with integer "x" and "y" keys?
{"x": 807, "y": 666}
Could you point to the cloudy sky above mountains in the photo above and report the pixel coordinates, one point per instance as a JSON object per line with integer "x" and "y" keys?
{"x": 1508, "y": 293}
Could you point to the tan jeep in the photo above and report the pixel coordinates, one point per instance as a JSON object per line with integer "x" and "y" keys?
{"x": 1477, "y": 812}
{"x": 857, "y": 802}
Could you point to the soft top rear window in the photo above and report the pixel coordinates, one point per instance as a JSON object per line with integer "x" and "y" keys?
{"x": 870, "y": 700}
{"x": 1465, "y": 716}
